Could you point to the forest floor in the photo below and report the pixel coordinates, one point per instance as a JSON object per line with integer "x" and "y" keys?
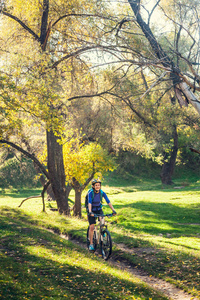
{"x": 168, "y": 289}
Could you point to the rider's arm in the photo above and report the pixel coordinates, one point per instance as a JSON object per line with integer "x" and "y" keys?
{"x": 108, "y": 202}
{"x": 106, "y": 198}
{"x": 110, "y": 205}
{"x": 90, "y": 207}
{"x": 90, "y": 202}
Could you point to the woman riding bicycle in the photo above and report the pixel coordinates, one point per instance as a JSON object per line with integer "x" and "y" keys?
{"x": 95, "y": 196}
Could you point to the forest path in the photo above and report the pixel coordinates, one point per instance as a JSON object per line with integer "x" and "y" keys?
{"x": 166, "y": 288}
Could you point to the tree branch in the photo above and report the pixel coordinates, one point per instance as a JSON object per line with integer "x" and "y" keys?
{"x": 21, "y": 23}
{"x": 31, "y": 197}
{"x": 177, "y": 42}
{"x": 80, "y": 15}
{"x": 91, "y": 176}
{"x": 194, "y": 150}
{"x": 75, "y": 53}
{"x": 154, "y": 84}
{"x": 41, "y": 195}
{"x": 165, "y": 60}
{"x": 27, "y": 154}
{"x": 157, "y": 3}
{"x": 182, "y": 27}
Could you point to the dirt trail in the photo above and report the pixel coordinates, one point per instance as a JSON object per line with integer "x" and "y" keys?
{"x": 158, "y": 284}
{"x": 166, "y": 288}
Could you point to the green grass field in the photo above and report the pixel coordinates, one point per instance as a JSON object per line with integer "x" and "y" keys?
{"x": 161, "y": 226}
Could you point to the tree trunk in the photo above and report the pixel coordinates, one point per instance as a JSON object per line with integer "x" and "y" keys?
{"x": 78, "y": 191}
{"x": 50, "y": 194}
{"x": 168, "y": 167}
{"x": 49, "y": 191}
{"x": 56, "y": 172}
{"x": 77, "y": 204}
{"x": 190, "y": 96}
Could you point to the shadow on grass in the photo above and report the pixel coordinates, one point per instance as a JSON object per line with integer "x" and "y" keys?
{"x": 180, "y": 267}
{"x": 36, "y": 264}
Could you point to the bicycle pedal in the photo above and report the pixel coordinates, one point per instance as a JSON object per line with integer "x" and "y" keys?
{"x": 92, "y": 251}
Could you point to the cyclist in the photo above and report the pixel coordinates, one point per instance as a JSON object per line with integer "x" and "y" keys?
{"x": 94, "y": 206}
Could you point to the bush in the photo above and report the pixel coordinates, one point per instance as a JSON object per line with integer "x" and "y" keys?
{"x": 17, "y": 173}
{"x": 133, "y": 164}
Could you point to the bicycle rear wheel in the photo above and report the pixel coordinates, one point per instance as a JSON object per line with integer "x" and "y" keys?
{"x": 106, "y": 244}
{"x": 94, "y": 239}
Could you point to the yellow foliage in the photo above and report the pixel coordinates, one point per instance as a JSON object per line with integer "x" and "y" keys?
{"x": 80, "y": 159}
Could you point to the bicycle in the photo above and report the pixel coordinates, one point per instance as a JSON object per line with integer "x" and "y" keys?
{"x": 101, "y": 237}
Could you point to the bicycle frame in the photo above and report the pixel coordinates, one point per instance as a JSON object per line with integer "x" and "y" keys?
{"x": 101, "y": 236}
{"x": 98, "y": 228}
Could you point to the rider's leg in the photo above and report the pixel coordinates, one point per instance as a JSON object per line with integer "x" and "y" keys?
{"x": 91, "y": 232}
{"x": 102, "y": 220}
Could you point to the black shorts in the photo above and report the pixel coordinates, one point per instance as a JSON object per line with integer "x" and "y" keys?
{"x": 92, "y": 220}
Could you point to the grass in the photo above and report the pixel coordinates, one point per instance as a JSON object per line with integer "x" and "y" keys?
{"x": 159, "y": 225}
{"x": 37, "y": 264}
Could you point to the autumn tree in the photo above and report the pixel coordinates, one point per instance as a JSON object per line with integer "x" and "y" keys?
{"x": 83, "y": 162}
{"x": 42, "y": 50}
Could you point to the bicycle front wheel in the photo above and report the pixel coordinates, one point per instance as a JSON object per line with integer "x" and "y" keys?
{"x": 106, "y": 244}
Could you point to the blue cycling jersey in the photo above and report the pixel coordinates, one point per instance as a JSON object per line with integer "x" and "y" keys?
{"x": 96, "y": 201}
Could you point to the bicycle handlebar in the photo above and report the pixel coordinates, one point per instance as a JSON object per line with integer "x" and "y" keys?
{"x": 106, "y": 215}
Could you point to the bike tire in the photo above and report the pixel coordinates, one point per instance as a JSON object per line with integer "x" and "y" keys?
{"x": 88, "y": 240}
{"x": 94, "y": 239}
{"x": 106, "y": 244}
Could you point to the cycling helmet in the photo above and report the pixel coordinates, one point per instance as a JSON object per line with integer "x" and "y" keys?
{"x": 95, "y": 181}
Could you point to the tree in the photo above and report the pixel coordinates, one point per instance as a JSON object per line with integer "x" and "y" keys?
{"x": 42, "y": 51}
{"x": 96, "y": 119}
{"x": 181, "y": 80}
{"x": 174, "y": 61}
{"x": 82, "y": 162}
{"x": 182, "y": 85}
{"x": 151, "y": 117}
